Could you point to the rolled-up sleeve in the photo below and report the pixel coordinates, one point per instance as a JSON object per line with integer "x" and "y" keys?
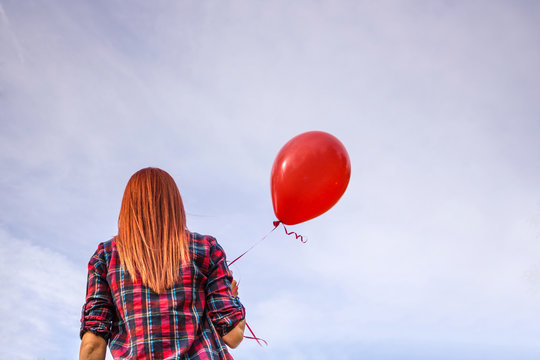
{"x": 225, "y": 310}
{"x": 98, "y": 309}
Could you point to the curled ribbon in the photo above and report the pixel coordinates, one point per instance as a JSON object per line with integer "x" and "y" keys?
{"x": 276, "y": 224}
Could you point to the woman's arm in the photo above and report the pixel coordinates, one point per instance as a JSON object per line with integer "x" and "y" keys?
{"x": 234, "y": 337}
{"x": 224, "y": 308}
{"x": 98, "y": 310}
{"x": 93, "y": 347}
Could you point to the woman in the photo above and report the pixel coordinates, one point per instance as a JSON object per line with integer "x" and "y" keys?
{"x": 156, "y": 290}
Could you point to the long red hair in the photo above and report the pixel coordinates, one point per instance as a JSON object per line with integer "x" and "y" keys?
{"x": 152, "y": 236}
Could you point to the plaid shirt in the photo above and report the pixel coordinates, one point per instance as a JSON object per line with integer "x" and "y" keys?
{"x": 185, "y": 322}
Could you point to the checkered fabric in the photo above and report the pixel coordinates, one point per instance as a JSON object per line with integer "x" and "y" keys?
{"x": 185, "y": 322}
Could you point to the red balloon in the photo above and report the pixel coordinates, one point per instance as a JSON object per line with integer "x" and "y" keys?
{"x": 310, "y": 174}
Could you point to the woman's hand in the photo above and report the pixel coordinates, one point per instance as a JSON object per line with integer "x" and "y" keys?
{"x": 234, "y": 287}
{"x": 93, "y": 347}
{"x": 236, "y": 335}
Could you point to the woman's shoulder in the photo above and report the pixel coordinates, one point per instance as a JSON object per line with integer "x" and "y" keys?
{"x": 105, "y": 250}
{"x": 109, "y": 245}
{"x": 201, "y": 244}
{"x": 205, "y": 248}
{"x": 103, "y": 256}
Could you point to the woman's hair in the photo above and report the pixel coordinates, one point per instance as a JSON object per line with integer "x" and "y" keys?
{"x": 152, "y": 235}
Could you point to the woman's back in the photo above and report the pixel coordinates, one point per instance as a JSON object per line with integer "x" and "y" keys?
{"x": 185, "y": 322}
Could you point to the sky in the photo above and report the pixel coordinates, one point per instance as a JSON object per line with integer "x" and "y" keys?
{"x": 433, "y": 251}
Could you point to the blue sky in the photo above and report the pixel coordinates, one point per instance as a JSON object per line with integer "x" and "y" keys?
{"x": 432, "y": 253}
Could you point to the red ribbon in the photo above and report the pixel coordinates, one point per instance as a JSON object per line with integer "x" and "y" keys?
{"x": 254, "y": 337}
{"x": 252, "y": 246}
{"x": 276, "y": 224}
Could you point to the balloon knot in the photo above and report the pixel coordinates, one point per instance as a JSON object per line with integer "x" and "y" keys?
{"x": 276, "y": 223}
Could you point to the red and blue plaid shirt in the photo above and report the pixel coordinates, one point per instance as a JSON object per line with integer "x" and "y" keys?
{"x": 185, "y": 322}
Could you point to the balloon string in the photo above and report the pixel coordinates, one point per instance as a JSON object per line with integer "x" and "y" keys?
{"x": 276, "y": 224}
{"x": 302, "y": 239}
{"x": 252, "y": 246}
{"x": 254, "y": 337}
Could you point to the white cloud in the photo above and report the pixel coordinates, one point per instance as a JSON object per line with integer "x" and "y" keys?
{"x": 42, "y": 295}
